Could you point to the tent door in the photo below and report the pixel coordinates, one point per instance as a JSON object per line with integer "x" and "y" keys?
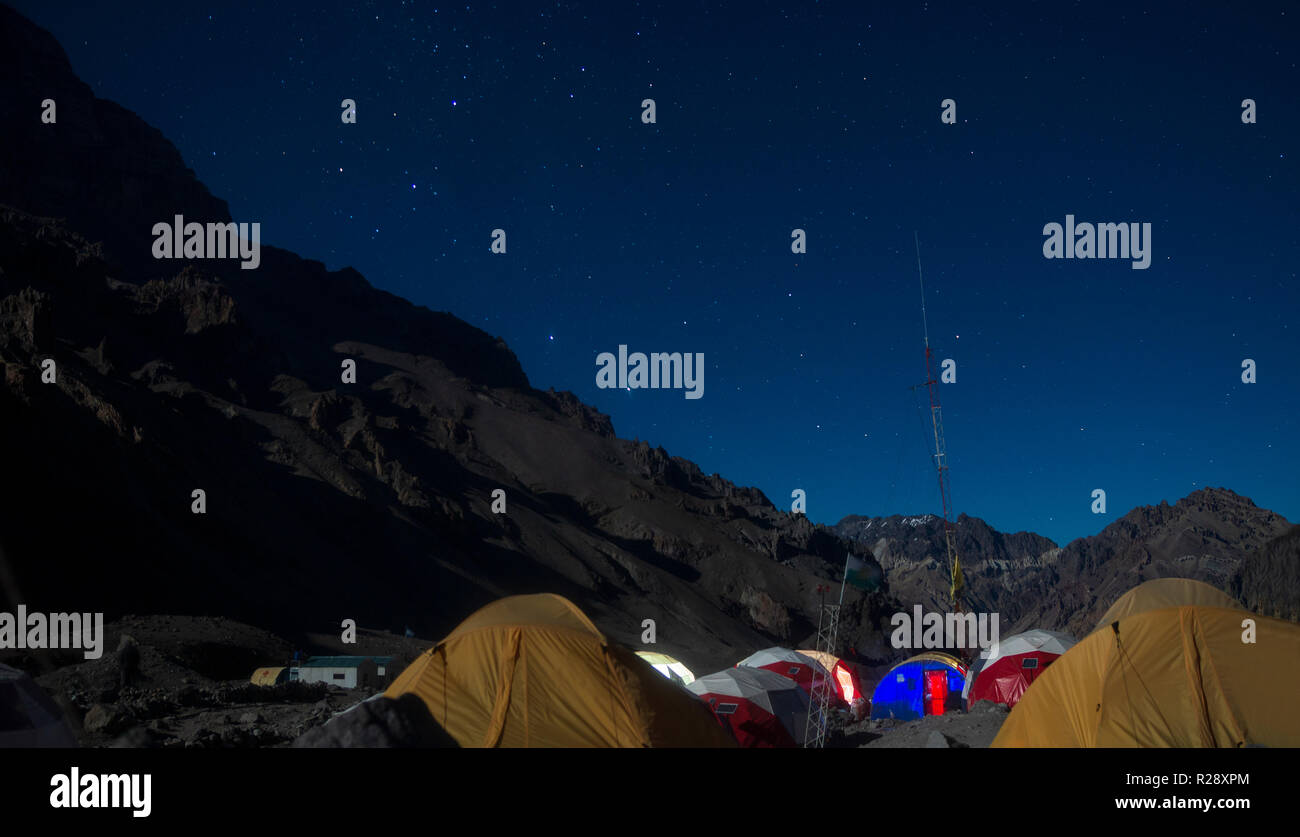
{"x": 936, "y": 691}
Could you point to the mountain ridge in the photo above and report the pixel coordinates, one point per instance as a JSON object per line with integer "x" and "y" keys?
{"x": 1033, "y": 583}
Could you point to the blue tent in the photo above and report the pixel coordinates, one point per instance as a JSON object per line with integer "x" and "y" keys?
{"x": 901, "y": 693}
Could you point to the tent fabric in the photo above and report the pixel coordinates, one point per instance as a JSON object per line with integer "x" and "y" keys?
{"x": 1013, "y": 663}
{"x": 533, "y": 671}
{"x": 1165, "y": 592}
{"x": 1175, "y": 677}
{"x": 848, "y": 678}
{"x": 759, "y": 707}
{"x": 787, "y": 662}
{"x": 901, "y": 693}
{"x": 268, "y": 676}
{"x": 28, "y": 716}
{"x": 669, "y": 667}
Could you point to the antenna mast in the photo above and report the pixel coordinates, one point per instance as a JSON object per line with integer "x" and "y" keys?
{"x": 925, "y": 324}
{"x": 940, "y": 449}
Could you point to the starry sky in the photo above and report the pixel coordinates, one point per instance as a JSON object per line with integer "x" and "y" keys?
{"x": 675, "y": 236}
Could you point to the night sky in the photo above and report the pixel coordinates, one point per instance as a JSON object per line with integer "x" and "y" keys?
{"x": 1071, "y": 375}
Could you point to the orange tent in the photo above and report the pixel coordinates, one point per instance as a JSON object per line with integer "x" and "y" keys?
{"x": 533, "y": 671}
{"x": 1165, "y": 592}
{"x": 1192, "y": 676}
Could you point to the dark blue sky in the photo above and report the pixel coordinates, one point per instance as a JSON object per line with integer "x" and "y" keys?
{"x": 1072, "y": 375}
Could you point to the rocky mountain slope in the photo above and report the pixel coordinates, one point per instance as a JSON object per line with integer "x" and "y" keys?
{"x": 1268, "y": 579}
{"x": 325, "y": 500}
{"x": 1213, "y": 535}
{"x": 373, "y": 500}
{"x": 912, "y": 553}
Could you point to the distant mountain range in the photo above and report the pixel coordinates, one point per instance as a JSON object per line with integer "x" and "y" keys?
{"x": 1213, "y": 535}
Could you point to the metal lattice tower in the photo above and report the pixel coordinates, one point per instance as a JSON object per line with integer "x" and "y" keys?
{"x": 940, "y": 447}
{"x": 819, "y": 703}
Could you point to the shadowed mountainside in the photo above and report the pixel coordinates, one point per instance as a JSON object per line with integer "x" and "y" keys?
{"x": 324, "y": 500}
{"x": 1268, "y": 579}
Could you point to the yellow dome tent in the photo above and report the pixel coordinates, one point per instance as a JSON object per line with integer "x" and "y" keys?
{"x": 1165, "y": 592}
{"x": 1174, "y": 677}
{"x": 533, "y": 671}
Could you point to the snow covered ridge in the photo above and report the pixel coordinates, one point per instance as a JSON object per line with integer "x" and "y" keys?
{"x": 903, "y": 521}
{"x": 918, "y": 521}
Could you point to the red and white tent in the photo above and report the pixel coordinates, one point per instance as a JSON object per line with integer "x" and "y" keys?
{"x": 1012, "y": 664}
{"x": 800, "y": 668}
{"x": 761, "y": 708}
{"x": 849, "y": 681}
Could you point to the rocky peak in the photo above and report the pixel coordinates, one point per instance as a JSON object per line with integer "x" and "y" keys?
{"x": 101, "y": 167}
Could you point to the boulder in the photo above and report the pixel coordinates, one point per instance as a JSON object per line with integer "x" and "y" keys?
{"x": 403, "y": 722}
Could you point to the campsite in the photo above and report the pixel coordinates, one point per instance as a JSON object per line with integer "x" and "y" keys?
{"x": 839, "y": 382}
{"x": 1165, "y": 666}
{"x": 377, "y": 479}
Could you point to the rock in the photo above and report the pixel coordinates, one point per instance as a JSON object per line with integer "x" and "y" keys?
{"x": 765, "y": 612}
{"x": 135, "y": 738}
{"x": 937, "y": 740}
{"x": 26, "y": 321}
{"x": 103, "y": 718}
{"x": 203, "y": 737}
{"x": 189, "y": 696}
{"x": 70, "y": 710}
{"x": 1268, "y": 580}
{"x": 128, "y": 660}
{"x": 988, "y": 707}
{"x": 404, "y": 722}
{"x": 251, "y": 718}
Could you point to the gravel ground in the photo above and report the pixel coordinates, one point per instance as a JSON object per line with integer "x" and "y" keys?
{"x": 192, "y": 689}
{"x": 976, "y": 728}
